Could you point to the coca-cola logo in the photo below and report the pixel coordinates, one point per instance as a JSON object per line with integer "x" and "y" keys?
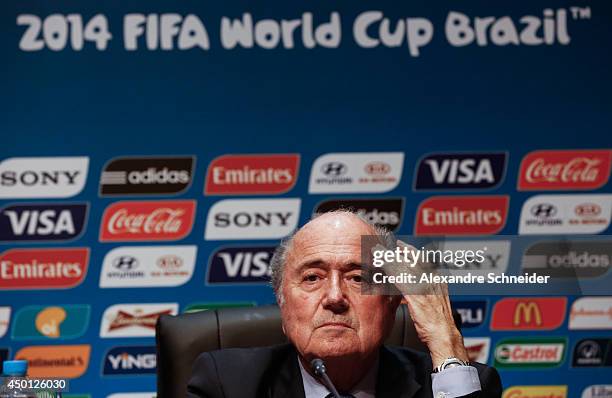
{"x": 377, "y": 168}
{"x": 147, "y": 220}
{"x": 565, "y": 170}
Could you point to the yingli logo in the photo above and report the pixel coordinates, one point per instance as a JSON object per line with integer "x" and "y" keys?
{"x": 565, "y": 170}
{"x": 252, "y": 174}
{"x": 43, "y": 268}
{"x": 461, "y": 215}
{"x": 528, "y": 313}
{"x": 147, "y": 220}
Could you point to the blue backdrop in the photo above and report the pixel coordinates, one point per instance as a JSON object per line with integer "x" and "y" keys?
{"x": 112, "y": 102}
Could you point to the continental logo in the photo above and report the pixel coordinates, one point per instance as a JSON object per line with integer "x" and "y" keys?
{"x": 529, "y": 313}
{"x": 252, "y": 174}
{"x": 38, "y": 322}
{"x": 61, "y": 361}
{"x": 530, "y": 353}
{"x": 536, "y": 392}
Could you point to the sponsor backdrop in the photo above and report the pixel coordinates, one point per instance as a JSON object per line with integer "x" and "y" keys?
{"x": 155, "y": 153}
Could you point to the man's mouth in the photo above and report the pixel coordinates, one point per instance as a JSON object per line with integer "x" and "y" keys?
{"x": 335, "y": 325}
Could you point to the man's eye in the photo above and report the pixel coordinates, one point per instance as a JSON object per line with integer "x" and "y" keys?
{"x": 311, "y": 278}
{"x": 356, "y": 278}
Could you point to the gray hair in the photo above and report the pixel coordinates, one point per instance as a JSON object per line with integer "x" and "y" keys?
{"x": 279, "y": 259}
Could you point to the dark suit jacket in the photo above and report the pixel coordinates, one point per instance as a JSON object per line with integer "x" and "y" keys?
{"x": 273, "y": 372}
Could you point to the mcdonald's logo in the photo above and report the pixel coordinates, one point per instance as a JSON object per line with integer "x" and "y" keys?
{"x": 529, "y": 313}
{"x": 525, "y": 312}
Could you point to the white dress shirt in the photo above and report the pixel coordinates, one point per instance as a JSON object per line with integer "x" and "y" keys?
{"x": 449, "y": 383}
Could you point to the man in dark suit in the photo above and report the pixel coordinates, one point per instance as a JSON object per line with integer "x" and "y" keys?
{"x": 317, "y": 278}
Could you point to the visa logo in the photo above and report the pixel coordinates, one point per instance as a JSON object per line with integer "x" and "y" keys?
{"x": 460, "y": 171}
{"x": 42, "y": 222}
{"x": 240, "y": 265}
{"x": 130, "y": 360}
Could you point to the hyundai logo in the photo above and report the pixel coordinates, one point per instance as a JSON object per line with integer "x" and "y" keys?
{"x": 543, "y": 210}
{"x": 335, "y": 169}
{"x": 125, "y": 263}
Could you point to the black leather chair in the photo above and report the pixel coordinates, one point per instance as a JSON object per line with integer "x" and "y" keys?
{"x": 180, "y": 339}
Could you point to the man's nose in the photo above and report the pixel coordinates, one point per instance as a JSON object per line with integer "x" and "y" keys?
{"x": 335, "y": 299}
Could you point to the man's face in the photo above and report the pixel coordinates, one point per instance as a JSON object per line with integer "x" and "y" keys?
{"x": 324, "y": 313}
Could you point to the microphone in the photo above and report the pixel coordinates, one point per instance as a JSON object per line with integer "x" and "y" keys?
{"x": 318, "y": 368}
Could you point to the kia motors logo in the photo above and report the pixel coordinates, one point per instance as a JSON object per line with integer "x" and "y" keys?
{"x": 240, "y": 265}
{"x": 42, "y": 222}
{"x": 565, "y": 170}
{"x": 130, "y": 360}
{"x": 543, "y": 210}
{"x": 147, "y": 176}
{"x": 356, "y": 172}
{"x": 43, "y": 268}
{"x": 591, "y": 313}
{"x": 592, "y": 352}
{"x": 529, "y": 313}
{"x": 535, "y": 392}
{"x": 148, "y": 266}
{"x": 530, "y": 353}
{"x": 56, "y": 361}
{"x": 460, "y": 171}
{"x": 384, "y": 212}
{"x": 125, "y": 263}
{"x": 162, "y": 220}
{"x": 377, "y": 168}
{"x": 566, "y": 214}
{"x": 462, "y": 215}
{"x": 42, "y": 177}
{"x": 477, "y": 348}
{"x": 472, "y": 313}
{"x": 252, "y": 174}
{"x": 598, "y": 391}
{"x": 233, "y": 219}
{"x": 569, "y": 259}
{"x": 134, "y": 320}
{"x": 57, "y": 322}
{"x": 588, "y": 210}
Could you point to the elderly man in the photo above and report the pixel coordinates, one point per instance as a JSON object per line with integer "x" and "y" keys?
{"x": 317, "y": 280}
